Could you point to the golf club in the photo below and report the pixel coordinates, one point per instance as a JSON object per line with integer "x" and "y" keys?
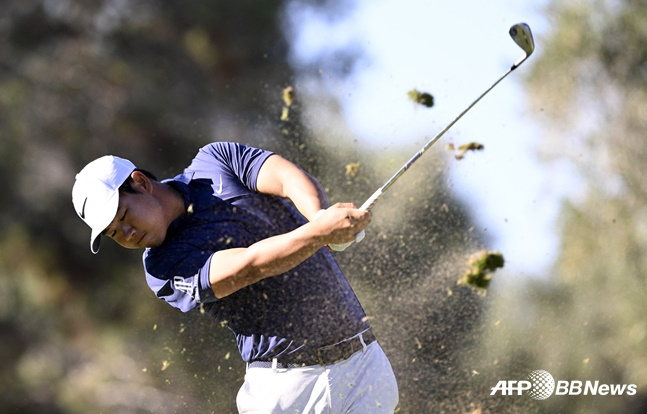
{"x": 522, "y": 36}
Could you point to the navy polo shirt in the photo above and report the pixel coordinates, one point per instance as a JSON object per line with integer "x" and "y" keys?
{"x": 295, "y": 312}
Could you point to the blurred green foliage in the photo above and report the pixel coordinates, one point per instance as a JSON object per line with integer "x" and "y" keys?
{"x": 586, "y": 321}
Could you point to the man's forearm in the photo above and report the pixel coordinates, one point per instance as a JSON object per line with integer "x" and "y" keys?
{"x": 308, "y": 197}
{"x": 282, "y": 178}
{"x": 233, "y": 269}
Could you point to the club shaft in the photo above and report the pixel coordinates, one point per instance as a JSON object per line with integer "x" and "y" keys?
{"x": 372, "y": 200}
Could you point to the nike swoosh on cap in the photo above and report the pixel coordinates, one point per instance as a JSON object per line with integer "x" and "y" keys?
{"x": 82, "y": 213}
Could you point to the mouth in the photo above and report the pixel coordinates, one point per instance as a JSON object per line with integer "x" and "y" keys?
{"x": 139, "y": 242}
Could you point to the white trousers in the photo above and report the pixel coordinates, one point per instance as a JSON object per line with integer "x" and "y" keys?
{"x": 364, "y": 383}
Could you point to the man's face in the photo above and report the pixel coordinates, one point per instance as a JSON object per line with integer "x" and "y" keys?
{"x": 140, "y": 220}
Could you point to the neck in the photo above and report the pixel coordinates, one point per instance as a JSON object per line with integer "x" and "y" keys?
{"x": 172, "y": 200}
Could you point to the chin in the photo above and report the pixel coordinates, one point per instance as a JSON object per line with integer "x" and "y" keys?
{"x": 154, "y": 241}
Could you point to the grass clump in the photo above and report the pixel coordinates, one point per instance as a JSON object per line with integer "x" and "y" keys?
{"x": 422, "y": 98}
{"x": 481, "y": 267}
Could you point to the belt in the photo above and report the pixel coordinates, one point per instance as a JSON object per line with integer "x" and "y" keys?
{"x": 326, "y": 355}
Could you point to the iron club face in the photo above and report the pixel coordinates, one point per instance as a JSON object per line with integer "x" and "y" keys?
{"x": 522, "y": 36}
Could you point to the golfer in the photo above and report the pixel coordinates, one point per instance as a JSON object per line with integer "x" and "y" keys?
{"x": 224, "y": 236}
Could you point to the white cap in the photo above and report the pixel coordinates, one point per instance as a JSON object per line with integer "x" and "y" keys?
{"x": 96, "y": 193}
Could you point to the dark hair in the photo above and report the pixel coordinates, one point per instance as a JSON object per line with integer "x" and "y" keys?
{"x": 127, "y": 186}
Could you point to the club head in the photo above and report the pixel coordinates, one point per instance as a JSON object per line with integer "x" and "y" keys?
{"x": 522, "y": 36}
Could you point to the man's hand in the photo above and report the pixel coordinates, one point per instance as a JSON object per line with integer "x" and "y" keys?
{"x": 345, "y": 222}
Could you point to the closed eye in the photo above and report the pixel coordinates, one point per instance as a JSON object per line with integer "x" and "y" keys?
{"x": 108, "y": 234}
{"x": 113, "y": 233}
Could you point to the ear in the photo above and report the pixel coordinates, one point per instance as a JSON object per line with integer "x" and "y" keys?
{"x": 140, "y": 182}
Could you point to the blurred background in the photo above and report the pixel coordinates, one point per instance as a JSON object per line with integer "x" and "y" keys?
{"x": 558, "y": 189}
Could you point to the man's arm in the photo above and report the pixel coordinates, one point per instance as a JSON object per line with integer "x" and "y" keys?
{"x": 233, "y": 269}
{"x": 282, "y": 178}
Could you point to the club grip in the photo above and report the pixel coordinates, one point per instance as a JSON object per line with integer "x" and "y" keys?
{"x": 368, "y": 204}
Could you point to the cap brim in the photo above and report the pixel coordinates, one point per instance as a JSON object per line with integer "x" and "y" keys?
{"x": 95, "y": 242}
{"x": 110, "y": 211}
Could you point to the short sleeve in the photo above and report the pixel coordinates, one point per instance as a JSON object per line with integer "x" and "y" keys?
{"x": 181, "y": 290}
{"x": 240, "y": 160}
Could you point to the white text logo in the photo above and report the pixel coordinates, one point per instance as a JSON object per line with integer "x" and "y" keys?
{"x": 183, "y": 286}
{"x": 540, "y": 385}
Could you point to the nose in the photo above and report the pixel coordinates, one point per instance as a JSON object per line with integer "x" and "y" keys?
{"x": 127, "y": 231}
